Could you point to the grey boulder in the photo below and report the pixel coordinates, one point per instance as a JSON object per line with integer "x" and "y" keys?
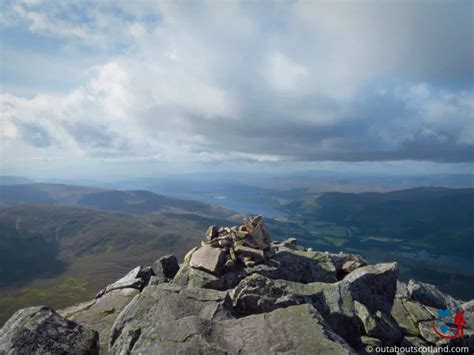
{"x": 379, "y": 325}
{"x": 137, "y": 278}
{"x": 259, "y": 294}
{"x": 208, "y": 259}
{"x": 166, "y": 267}
{"x": 374, "y": 286}
{"x": 100, "y": 313}
{"x": 429, "y": 295}
{"x": 40, "y": 330}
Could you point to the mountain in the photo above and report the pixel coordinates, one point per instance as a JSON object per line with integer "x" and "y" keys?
{"x": 138, "y": 201}
{"x": 14, "y": 180}
{"x": 294, "y": 301}
{"x": 60, "y": 254}
{"x": 435, "y": 219}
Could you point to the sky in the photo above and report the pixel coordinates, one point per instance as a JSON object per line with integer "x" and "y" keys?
{"x": 132, "y": 88}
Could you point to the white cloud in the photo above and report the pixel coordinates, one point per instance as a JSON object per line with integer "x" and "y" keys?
{"x": 283, "y": 74}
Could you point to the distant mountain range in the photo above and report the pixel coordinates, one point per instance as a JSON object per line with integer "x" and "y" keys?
{"x": 113, "y": 200}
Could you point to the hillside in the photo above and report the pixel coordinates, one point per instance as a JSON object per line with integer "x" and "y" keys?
{"x": 60, "y": 254}
{"x": 431, "y": 218}
{"x": 123, "y": 201}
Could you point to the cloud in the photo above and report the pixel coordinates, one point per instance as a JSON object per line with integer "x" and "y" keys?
{"x": 217, "y": 81}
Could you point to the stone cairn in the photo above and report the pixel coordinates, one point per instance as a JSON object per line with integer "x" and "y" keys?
{"x": 224, "y": 247}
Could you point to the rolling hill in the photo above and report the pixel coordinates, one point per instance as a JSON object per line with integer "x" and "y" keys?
{"x": 440, "y": 220}
{"x": 137, "y": 201}
{"x": 57, "y": 255}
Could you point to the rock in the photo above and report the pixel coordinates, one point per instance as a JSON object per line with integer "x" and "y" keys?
{"x": 212, "y": 233}
{"x": 294, "y": 265}
{"x": 469, "y": 313}
{"x": 374, "y": 342}
{"x": 194, "y": 278}
{"x": 403, "y": 319}
{"x": 350, "y": 266}
{"x": 402, "y": 290}
{"x": 257, "y": 254}
{"x": 40, "y": 330}
{"x": 166, "y": 320}
{"x": 429, "y": 295}
{"x": 259, "y": 294}
{"x": 156, "y": 280}
{"x": 101, "y": 314}
{"x": 209, "y": 259}
{"x": 374, "y": 286}
{"x": 163, "y": 318}
{"x": 137, "y": 278}
{"x": 259, "y": 235}
{"x": 293, "y": 330}
{"x": 378, "y": 325}
{"x": 416, "y": 342}
{"x": 188, "y": 255}
{"x": 166, "y": 267}
{"x": 427, "y": 333}
{"x": 467, "y": 341}
{"x": 306, "y": 267}
{"x": 346, "y": 263}
{"x": 417, "y": 312}
{"x": 69, "y": 311}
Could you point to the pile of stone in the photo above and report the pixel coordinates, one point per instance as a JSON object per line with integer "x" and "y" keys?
{"x": 227, "y": 247}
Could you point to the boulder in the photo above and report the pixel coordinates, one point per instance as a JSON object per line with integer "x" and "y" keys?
{"x": 303, "y": 266}
{"x": 417, "y": 312}
{"x": 469, "y": 313}
{"x": 166, "y": 319}
{"x": 208, "y": 258}
{"x": 100, "y": 314}
{"x": 212, "y": 233}
{"x": 256, "y": 254}
{"x": 137, "y": 278}
{"x": 410, "y": 341}
{"x": 293, "y": 330}
{"x": 259, "y": 235}
{"x": 346, "y": 263}
{"x": 378, "y": 325}
{"x": 156, "y": 280}
{"x": 373, "y": 342}
{"x": 259, "y": 294}
{"x": 403, "y": 319}
{"x": 374, "y": 286}
{"x": 402, "y": 290}
{"x": 40, "y": 330}
{"x": 190, "y": 277}
{"x": 166, "y": 267}
{"x": 163, "y": 318}
{"x": 429, "y": 295}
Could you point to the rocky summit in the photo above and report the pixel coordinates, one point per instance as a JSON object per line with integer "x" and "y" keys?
{"x": 241, "y": 293}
